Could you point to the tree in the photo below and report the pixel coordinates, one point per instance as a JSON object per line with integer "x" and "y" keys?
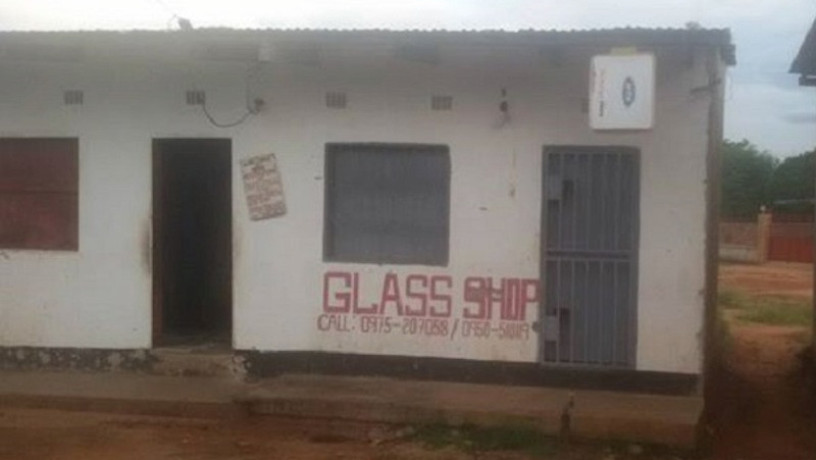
{"x": 746, "y": 176}
{"x": 792, "y": 184}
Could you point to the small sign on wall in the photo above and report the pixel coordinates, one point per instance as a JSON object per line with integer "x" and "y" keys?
{"x": 621, "y": 93}
{"x": 263, "y": 187}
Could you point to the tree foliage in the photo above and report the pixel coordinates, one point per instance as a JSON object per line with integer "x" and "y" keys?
{"x": 746, "y": 176}
{"x": 792, "y": 184}
{"x": 752, "y": 178}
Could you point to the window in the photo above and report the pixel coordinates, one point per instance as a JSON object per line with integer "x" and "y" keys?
{"x": 387, "y": 203}
{"x": 38, "y": 194}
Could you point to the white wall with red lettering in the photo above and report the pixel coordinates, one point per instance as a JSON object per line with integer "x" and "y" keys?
{"x": 100, "y": 296}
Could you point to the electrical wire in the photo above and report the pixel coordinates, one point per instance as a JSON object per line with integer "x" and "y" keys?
{"x": 215, "y": 123}
{"x": 253, "y": 106}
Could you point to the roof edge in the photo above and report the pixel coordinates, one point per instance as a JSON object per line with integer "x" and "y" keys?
{"x": 613, "y": 37}
{"x": 805, "y": 61}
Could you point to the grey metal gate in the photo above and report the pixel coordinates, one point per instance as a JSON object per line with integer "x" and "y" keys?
{"x": 589, "y": 256}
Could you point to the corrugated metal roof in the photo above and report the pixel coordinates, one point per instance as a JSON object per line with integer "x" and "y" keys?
{"x": 627, "y": 36}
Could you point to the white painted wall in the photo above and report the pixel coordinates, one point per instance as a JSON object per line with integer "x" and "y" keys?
{"x": 100, "y": 295}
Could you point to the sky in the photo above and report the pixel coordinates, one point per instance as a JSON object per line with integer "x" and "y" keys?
{"x": 764, "y": 103}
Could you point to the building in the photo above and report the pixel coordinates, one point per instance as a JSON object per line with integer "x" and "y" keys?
{"x": 805, "y": 65}
{"x": 453, "y": 205}
{"x": 805, "y": 62}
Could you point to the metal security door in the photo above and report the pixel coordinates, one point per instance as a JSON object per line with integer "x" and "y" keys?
{"x": 589, "y": 256}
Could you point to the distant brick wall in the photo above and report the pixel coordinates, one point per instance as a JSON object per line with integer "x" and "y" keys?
{"x": 739, "y": 234}
{"x": 791, "y": 242}
{"x": 745, "y": 241}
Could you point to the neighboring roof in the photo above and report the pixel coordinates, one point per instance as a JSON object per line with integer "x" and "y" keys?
{"x": 805, "y": 62}
{"x": 718, "y": 38}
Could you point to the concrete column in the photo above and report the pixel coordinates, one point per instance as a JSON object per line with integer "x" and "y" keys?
{"x": 763, "y": 236}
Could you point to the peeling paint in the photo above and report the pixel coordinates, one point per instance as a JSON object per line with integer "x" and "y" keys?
{"x": 238, "y": 366}
{"x": 114, "y": 360}
{"x": 33, "y": 358}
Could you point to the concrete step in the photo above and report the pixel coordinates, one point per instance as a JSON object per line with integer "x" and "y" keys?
{"x": 121, "y": 392}
{"x": 669, "y": 420}
{"x": 197, "y": 362}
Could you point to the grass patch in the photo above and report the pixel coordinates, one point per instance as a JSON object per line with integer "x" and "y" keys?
{"x": 779, "y": 314}
{"x": 731, "y": 299}
{"x": 768, "y": 309}
{"x": 471, "y": 438}
{"x": 724, "y": 337}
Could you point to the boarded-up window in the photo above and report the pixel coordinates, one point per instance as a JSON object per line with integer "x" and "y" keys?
{"x": 38, "y": 193}
{"x": 387, "y": 203}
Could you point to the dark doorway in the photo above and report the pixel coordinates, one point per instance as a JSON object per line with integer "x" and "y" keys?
{"x": 192, "y": 241}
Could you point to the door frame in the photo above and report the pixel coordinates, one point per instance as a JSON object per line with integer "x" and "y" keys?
{"x": 157, "y": 277}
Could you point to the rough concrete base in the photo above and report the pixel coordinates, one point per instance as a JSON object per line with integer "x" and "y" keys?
{"x": 191, "y": 362}
{"x": 77, "y": 359}
{"x": 670, "y": 420}
{"x": 186, "y": 361}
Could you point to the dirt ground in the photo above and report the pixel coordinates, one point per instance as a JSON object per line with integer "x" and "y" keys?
{"x": 764, "y": 410}
{"x": 38, "y": 434}
{"x": 58, "y": 435}
{"x": 764, "y": 398}
{"x": 772, "y": 278}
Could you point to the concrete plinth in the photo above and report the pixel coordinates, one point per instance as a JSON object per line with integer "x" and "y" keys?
{"x": 670, "y": 420}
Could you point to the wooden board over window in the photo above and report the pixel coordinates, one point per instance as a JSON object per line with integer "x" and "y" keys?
{"x": 39, "y": 180}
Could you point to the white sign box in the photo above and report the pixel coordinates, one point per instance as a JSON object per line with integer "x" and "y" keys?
{"x": 621, "y": 92}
